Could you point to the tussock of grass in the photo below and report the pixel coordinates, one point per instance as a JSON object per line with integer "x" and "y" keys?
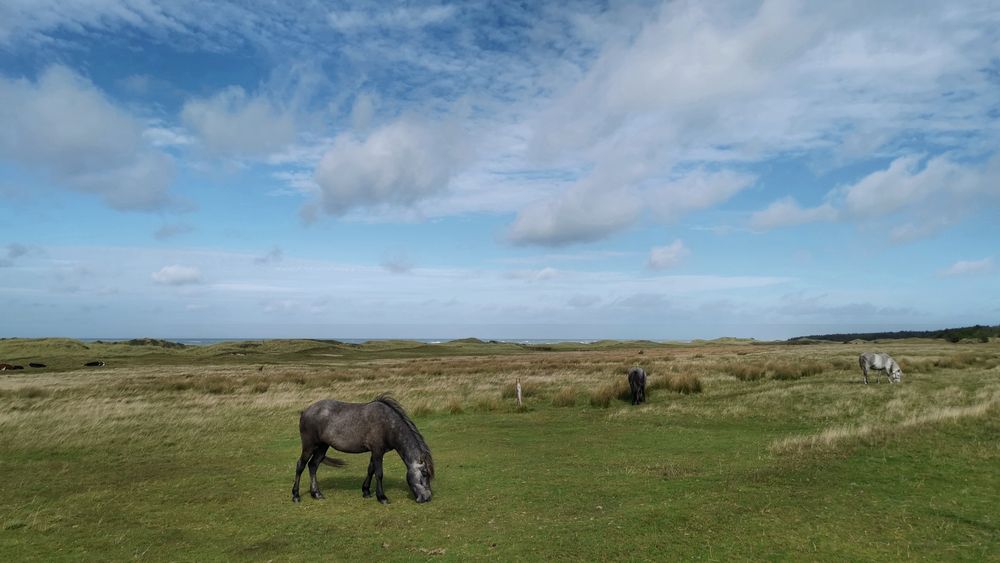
{"x": 787, "y": 371}
{"x": 603, "y": 396}
{"x": 566, "y": 397}
{"x": 455, "y": 406}
{"x": 683, "y": 383}
{"x": 746, "y": 372}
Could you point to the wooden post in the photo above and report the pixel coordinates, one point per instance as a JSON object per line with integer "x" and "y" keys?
{"x": 517, "y": 386}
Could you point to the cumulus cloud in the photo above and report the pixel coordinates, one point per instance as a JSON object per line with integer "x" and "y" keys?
{"x": 969, "y": 267}
{"x": 63, "y": 127}
{"x": 577, "y": 215}
{"x": 235, "y": 123}
{"x": 697, "y": 190}
{"x": 663, "y": 257}
{"x": 397, "y": 164}
{"x": 177, "y": 275}
{"x": 914, "y": 196}
{"x": 786, "y": 212}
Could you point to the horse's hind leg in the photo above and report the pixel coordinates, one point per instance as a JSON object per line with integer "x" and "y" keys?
{"x": 317, "y": 458}
{"x": 300, "y": 465}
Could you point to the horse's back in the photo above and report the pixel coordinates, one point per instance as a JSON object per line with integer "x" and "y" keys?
{"x": 876, "y": 360}
{"x": 636, "y": 374}
{"x": 348, "y": 427}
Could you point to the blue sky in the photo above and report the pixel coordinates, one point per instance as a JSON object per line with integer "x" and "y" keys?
{"x": 663, "y": 170}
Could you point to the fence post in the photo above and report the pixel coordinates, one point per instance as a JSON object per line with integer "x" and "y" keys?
{"x": 517, "y": 386}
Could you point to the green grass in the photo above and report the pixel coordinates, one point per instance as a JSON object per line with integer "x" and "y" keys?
{"x": 191, "y": 458}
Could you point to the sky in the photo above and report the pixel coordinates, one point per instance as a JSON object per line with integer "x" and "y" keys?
{"x": 556, "y": 170}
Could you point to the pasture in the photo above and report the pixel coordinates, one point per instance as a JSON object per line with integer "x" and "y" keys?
{"x": 742, "y": 450}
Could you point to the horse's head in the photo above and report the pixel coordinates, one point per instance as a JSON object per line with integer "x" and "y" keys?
{"x": 418, "y": 477}
{"x": 896, "y": 374}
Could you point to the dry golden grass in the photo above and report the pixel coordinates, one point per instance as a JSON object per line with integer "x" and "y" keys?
{"x": 839, "y": 436}
{"x": 565, "y": 397}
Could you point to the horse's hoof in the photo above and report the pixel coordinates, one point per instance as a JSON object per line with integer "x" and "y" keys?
{"x": 296, "y": 499}
{"x": 317, "y": 495}
{"x": 366, "y": 494}
{"x": 384, "y": 500}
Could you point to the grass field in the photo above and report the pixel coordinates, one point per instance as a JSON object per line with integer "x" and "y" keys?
{"x": 744, "y": 451}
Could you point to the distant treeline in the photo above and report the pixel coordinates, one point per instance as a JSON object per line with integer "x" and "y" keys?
{"x": 977, "y": 332}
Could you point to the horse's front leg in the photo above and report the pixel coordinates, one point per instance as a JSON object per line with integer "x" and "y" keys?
{"x": 864, "y": 375}
{"x": 366, "y": 487}
{"x": 317, "y": 458}
{"x": 379, "y": 491}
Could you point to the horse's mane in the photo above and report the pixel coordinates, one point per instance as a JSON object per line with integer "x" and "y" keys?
{"x": 425, "y": 451}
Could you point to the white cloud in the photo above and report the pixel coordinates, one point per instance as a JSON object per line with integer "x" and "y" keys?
{"x": 396, "y": 165}
{"x": 577, "y": 215}
{"x": 401, "y": 17}
{"x": 786, "y": 212}
{"x": 697, "y": 190}
{"x": 234, "y": 123}
{"x": 603, "y": 204}
{"x": 177, "y": 275}
{"x": 725, "y": 84}
{"x": 662, "y": 257}
{"x": 969, "y": 267}
{"x": 65, "y": 128}
{"x": 913, "y": 197}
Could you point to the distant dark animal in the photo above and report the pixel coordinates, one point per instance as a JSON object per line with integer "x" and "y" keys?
{"x": 35, "y": 365}
{"x": 880, "y": 362}
{"x": 637, "y": 385}
{"x": 5, "y": 367}
{"x": 377, "y": 427}
{"x": 94, "y": 364}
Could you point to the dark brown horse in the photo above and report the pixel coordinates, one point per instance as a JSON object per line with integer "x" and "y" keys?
{"x": 377, "y": 427}
{"x": 637, "y": 385}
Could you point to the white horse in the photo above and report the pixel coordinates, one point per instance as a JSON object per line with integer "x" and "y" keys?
{"x": 880, "y": 362}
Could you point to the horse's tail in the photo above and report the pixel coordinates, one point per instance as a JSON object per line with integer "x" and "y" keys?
{"x": 334, "y": 462}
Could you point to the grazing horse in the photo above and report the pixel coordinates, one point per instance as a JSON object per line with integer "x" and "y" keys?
{"x": 377, "y": 427}
{"x": 637, "y": 385}
{"x": 94, "y": 364}
{"x": 882, "y": 363}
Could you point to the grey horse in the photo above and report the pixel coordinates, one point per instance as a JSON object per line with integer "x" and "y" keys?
{"x": 377, "y": 427}
{"x": 881, "y": 362}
